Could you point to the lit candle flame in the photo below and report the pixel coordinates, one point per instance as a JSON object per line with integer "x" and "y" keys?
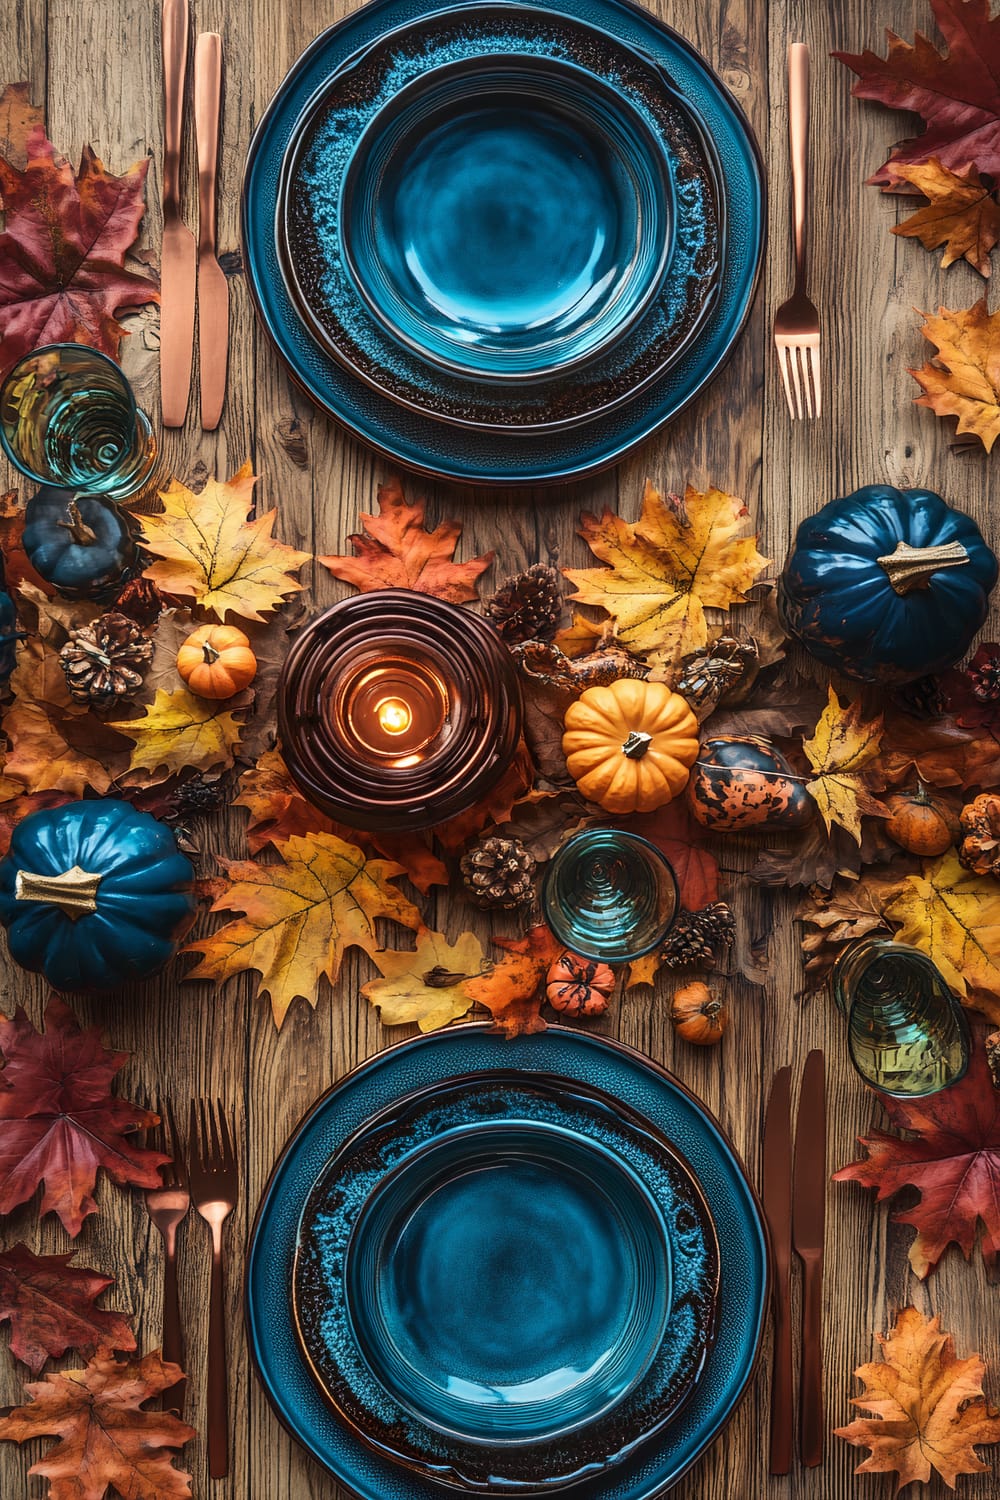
{"x": 394, "y": 715}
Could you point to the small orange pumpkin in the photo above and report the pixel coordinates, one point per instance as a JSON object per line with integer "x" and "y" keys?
{"x": 630, "y": 746}
{"x": 922, "y": 823}
{"x": 579, "y": 986}
{"x": 216, "y": 661}
{"x": 697, "y": 1015}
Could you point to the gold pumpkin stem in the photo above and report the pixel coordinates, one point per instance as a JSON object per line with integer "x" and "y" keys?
{"x": 911, "y": 568}
{"x": 74, "y": 892}
{"x": 82, "y": 534}
{"x": 637, "y": 744}
{"x": 209, "y": 652}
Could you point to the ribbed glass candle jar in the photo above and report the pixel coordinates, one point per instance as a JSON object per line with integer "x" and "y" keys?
{"x": 397, "y": 710}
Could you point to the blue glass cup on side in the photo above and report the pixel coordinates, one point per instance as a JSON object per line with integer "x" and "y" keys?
{"x": 68, "y": 418}
{"x": 609, "y": 895}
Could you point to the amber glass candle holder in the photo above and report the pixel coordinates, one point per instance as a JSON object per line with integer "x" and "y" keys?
{"x": 398, "y": 711}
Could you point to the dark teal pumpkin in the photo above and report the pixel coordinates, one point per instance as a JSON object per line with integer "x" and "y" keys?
{"x": 9, "y": 636}
{"x": 80, "y": 544}
{"x": 887, "y": 585}
{"x": 747, "y": 786}
{"x": 94, "y": 894}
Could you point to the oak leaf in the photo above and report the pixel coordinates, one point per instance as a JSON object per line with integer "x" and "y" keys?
{"x": 664, "y": 570}
{"x": 51, "y": 1307}
{"x": 511, "y": 990}
{"x": 18, "y": 119}
{"x": 927, "y": 1407}
{"x": 963, "y": 378}
{"x": 395, "y": 550}
{"x": 106, "y": 1439}
{"x": 842, "y": 745}
{"x": 962, "y": 214}
{"x": 59, "y": 1122}
{"x": 179, "y": 731}
{"x": 208, "y": 549}
{"x": 956, "y": 93}
{"x": 425, "y": 984}
{"x": 62, "y": 253}
{"x": 953, "y": 916}
{"x": 953, "y": 1160}
{"x": 299, "y": 916}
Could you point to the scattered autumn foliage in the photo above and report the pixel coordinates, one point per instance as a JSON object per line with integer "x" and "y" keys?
{"x": 427, "y": 983}
{"x": 963, "y": 378}
{"x": 927, "y": 1409}
{"x": 961, "y": 214}
{"x": 951, "y": 1155}
{"x": 180, "y": 731}
{"x": 395, "y": 550}
{"x": 106, "y": 1437}
{"x": 843, "y": 745}
{"x": 512, "y": 989}
{"x": 954, "y": 917}
{"x": 59, "y": 1122}
{"x": 51, "y": 1307}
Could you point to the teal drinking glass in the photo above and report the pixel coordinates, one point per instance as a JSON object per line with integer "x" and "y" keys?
{"x": 68, "y": 418}
{"x": 609, "y": 895}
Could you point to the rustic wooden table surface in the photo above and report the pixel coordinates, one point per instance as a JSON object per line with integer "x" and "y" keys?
{"x": 95, "y": 66}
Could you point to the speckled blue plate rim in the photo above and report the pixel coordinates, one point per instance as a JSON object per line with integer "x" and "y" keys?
{"x": 471, "y": 458}
{"x": 643, "y": 1086}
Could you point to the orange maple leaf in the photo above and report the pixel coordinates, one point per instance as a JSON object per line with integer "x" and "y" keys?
{"x": 928, "y": 1409}
{"x": 963, "y": 378}
{"x": 962, "y": 214}
{"x": 395, "y": 550}
{"x": 511, "y": 989}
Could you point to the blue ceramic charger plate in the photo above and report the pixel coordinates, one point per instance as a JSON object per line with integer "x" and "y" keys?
{"x": 419, "y": 441}
{"x": 506, "y": 1281}
{"x": 577, "y": 1057}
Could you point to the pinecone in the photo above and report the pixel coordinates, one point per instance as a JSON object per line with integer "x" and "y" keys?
{"x": 980, "y": 849}
{"x": 141, "y": 600}
{"x": 992, "y": 1045}
{"x": 103, "y": 662}
{"x": 196, "y": 795}
{"x": 499, "y": 872}
{"x": 983, "y": 673}
{"x": 527, "y": 607}
{"x": 696, "y": 936}
{"x": 922, "y": 699}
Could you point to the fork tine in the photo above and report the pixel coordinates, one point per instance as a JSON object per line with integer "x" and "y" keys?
{"x": 228, "y": 1148}
{"x": 813, "y": 368}
{"x": 786, "y": 381}
{"x": 176, "y": 1147}
{"x": 195, "y": 1145}
{"x": 796, "y": 353}
{"x": 213, "y": 1124}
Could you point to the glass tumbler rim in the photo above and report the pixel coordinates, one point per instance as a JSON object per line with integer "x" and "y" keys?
{"x": 637, "y": 840}
{"x": 59, "y": 348}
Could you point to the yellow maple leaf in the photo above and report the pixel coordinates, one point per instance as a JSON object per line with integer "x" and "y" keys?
{"x": 963, "y": 379}
{"x": 664, "y": 570}
{"x": 300, "y": 916}
{"x": 927, "y": 1407}
{"x": 953, "y": 916}
{"x": 426, "y": 984}
{"x": 207, "y": 550}
{"x": 842, "y": 744}
{"x": 962, "y": 214}
{"x": 180, "y": 732}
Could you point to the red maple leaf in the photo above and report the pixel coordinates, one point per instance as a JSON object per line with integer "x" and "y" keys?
{"x": 953, "y": 1160}
{"x": 50, "y": 1305}
{"x": 674, "y": 831}
{"x": 59, "y": 1124}
{"x": 62, "y": 254}
{"x": 957, "y": 93}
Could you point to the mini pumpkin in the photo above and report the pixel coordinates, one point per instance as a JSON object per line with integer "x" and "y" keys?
{"x": 579, "y": 986}
{"x": 697, "y": 1015}
{"x": 630, "y": 746}
{"x": 216, "y": 661}
{"x": 745, "y": 785}
{"x": 922, "y": 823}
{"x": 81, "y": 544}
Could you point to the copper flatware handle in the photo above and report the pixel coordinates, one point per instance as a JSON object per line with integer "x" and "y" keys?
{"x": 811, "y": 1389}
{"x": 175, "y": 44}
{"x": 218, "y": 1384}
{"x": 798, "y": 145}
{"x": 173, "y": 1338}
{"x": 207, "y": 101}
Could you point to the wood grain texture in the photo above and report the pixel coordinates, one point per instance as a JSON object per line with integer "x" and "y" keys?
{"x": 96, "y": 68}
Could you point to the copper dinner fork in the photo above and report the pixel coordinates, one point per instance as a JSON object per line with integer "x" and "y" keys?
{"x": 167, "y": 1205}
{"x": 214, "y": 1181}
{"x": 796, "y": 323}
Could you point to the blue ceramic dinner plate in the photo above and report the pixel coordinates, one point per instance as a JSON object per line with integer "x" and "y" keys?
{"x": 450, "y": 1345}
{"x": 421, "y": 441}
{"x": 579, "y": 1058}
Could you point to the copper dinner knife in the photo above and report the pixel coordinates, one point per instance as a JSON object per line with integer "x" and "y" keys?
{"x": 177, "y": 268}
{"x": 213, "y": 289}
{"x": 777, "y": 1194}
{"x": 808, "y": 1225}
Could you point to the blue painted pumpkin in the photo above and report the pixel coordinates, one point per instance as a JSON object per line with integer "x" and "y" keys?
{"x": 887, "y": 585}
{"x": 745, "y": 785}
{"x": 9, "y": 636}
{"x": 80, "y": 544}
{"x": 94, "y": 894}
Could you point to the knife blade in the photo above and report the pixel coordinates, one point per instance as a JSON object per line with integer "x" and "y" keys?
{"x": 808, "y": 1227}
{"x": 213, "y": 288}
{"x": 777, "y": 1195}
{"x": 178, "y": 257}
